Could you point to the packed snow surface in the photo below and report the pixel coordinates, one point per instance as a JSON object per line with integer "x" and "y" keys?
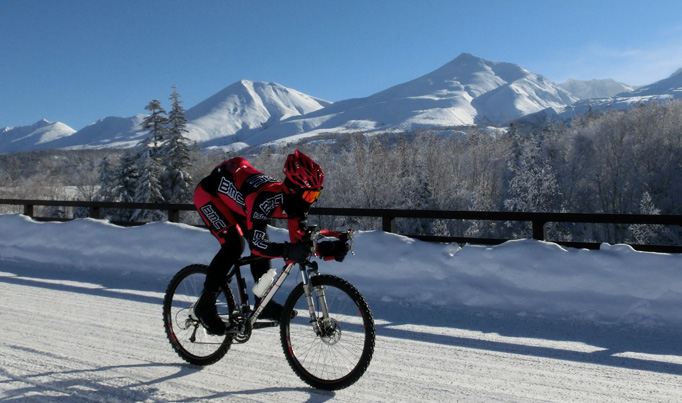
{"x": 522, "y": 321}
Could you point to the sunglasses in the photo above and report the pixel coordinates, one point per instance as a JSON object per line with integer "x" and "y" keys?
{"x": 311, "y": 195}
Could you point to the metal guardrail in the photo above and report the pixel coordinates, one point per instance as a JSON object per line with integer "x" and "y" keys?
{"x": 538, "y": 221}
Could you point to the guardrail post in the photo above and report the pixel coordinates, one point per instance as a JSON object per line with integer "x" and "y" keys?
{"x": 388, "y": 223}
{"x": 539, "y": 230}
{"x": 174, "y": 215}
{"x": 28, "y": 210}
{"x": 95, "y": 213}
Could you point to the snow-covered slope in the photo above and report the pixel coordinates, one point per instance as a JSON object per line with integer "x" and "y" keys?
{"x": 108, "y": 132}
{"x": 661, "y": 91}
{"x": 595, "y": 88}
{"x": 671, "y": 86}
{"x": 245, "y": 107}
{"x": 38, "y": 136}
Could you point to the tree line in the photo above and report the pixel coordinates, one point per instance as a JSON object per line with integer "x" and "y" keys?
{"x": 622, "y": 162}
{"x": 627, "y": 161}
{"x": 156, "y": 170}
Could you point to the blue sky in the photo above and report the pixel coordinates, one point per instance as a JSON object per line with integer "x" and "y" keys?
{"x": 76, "y": 61}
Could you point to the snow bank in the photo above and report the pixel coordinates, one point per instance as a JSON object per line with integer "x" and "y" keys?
{"x": 615, "y": 284}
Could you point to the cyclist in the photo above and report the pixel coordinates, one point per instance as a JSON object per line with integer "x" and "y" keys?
{"x": 236, "y": 201}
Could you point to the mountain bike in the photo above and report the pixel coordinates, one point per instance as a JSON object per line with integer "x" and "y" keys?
{"x": 329, "y": 344}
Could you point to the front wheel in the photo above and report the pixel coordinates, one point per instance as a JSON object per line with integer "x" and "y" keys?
{"x": 332, "y": 352}
{"x": 187, "y": 336}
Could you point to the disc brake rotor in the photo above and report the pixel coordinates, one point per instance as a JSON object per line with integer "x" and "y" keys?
{"x": 331, "y": 332}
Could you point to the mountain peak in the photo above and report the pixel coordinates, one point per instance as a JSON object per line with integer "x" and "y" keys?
{"x": 35, "y": 137}
{"x": 467, "y": 56}
{"x": 246, "y": 107}
{"x": 41, "y": 123}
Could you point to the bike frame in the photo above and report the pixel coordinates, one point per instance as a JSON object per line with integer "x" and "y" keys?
{"x": 307, "y": 270}
{"x": 270, "y": 292}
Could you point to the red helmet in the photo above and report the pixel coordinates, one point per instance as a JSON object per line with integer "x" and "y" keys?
{"x": 303, "y": 172}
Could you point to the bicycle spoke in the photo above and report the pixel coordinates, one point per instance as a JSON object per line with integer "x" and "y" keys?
{"x": 340, "y": 354}
{"x": 189, "y": 339}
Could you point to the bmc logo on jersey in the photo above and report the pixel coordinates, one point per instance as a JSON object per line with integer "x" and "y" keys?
{"x": 228, "y": 188}
{"x": 270, "y": 204}
{"x": 258, "y": 180}
{"x": 259, "y": 216}
{"x": 260, "y": 239}
{"x": 213, "y": 216}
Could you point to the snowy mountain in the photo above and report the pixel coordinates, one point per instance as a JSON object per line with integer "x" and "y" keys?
{"x": 468, "y": 90}
{"x": 669, "y": 87}
{"x": 660, "y": 91}
{"x": 226, "y": 117}
{"x": 245, "y": 107}
{"x": 595, "y": 88}
{"x": 108, "y": 132}
{"x": 38, "y": 136}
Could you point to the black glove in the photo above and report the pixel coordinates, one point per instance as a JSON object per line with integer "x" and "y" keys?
{"x": 297, "y": 252}
{"x": 334, "y": 249}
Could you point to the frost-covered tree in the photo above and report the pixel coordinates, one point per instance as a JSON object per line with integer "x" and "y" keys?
{"x": 650, "y": 234}
{"x": 148, "y": 186}
{"x": 147, "y": 156}
{"x": 124, "y": 185}
{"x": 156, "y": 125}
{"x": 176, "y": 155}
{"x": 106, "y": 181}
{"x": 533, "y": 186}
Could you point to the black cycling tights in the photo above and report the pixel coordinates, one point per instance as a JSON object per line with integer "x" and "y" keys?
{"x": 229, "y": 253}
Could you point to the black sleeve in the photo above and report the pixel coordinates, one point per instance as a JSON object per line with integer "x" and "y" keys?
{"x": 264, "y": 205}
{"x": 260, "y": 243}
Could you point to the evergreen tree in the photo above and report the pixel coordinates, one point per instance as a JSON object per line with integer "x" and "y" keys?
{"x": 176, "y": 154}
{"x": 124, "y": 186}
{"x": 155, "y": 124}
{"x": 106, "y": 180}
{"x": 148, "y": 162}
{"x": 148, "y": 186}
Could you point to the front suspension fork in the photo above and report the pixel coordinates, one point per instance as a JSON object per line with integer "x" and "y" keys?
{"x": 321, "y": 301}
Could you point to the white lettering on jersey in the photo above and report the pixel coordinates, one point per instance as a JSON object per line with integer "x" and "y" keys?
{"x": 259, "y": 239}
{"x": 213, "y": 217}
{"x": 270, "y": 204}
{"x": 258, "y": 180}
{"x": 228, "y": 188}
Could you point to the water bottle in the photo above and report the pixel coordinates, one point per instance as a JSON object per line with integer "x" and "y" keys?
{"x": 264, "y": 283}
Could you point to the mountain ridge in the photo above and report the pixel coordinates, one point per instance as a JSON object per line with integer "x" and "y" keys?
{"x": 468, "y": 90}
{"x": 603, "y": 88}
{"x": 37, "y": 136}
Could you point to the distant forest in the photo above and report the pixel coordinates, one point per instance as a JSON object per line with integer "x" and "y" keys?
{"x": 627, "y": 161}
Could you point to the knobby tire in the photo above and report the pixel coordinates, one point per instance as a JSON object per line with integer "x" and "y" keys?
{"x": 339, "y": 358}
{"x": 182, "y": 292}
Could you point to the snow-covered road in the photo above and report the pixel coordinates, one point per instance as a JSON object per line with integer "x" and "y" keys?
{"x": 72, "y": 336}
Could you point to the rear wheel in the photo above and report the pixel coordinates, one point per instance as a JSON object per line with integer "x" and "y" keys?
{"x": 188, "y": 338}
{"x": 335, "y": 353}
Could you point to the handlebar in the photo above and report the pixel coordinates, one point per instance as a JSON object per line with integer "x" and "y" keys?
{"x": 314, "y": 235}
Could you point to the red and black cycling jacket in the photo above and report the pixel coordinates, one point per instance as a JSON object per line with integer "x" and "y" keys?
{"x": 256, "y": 197}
